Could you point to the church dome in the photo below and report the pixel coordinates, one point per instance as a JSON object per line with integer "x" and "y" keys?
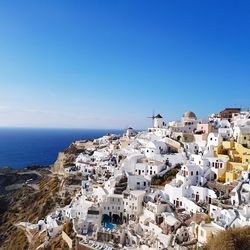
{"x": 189, "y": 115}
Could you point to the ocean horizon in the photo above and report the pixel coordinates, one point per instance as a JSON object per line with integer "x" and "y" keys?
{"x": 22, "y": 147}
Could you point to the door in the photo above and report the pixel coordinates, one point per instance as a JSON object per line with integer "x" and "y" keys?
{"x": 197, "y": 197}
{"x": 177, "y": 203}
{"x": 209, "y": 200}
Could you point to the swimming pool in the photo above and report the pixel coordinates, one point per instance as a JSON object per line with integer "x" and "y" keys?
{"x": 108, "y": 225}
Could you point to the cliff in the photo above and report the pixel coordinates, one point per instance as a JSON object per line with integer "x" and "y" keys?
{"x": 67, "y": 157}
{"x": 26, "y": 203}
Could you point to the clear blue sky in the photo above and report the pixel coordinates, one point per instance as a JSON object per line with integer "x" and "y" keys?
{"x": 109, "y": 64}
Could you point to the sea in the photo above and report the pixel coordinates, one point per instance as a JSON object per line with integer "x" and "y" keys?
{"x": 22, "y": 147}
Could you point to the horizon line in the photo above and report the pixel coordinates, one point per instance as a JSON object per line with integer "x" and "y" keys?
{"x": 76, "y": 128}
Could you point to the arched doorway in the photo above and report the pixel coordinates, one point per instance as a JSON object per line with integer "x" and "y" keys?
{"x": 209, "y": 200}
{"x": 197, "y": 197}
{"x": 106, "y": 218}
{"x": 177, "y": 203}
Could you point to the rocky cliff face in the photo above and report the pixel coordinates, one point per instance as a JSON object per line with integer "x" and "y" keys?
{"x": 67, "y": 158}
{"x": 58, "y": 167}
{"x": 26, "y": 204}
{"x": 63, "y": 160}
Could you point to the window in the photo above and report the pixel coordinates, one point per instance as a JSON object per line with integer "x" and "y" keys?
{"x": 197, "y": 172}
{"x": 191, "y": 173}
{"x": 138, "y": 183}
{"x": 144, "y": 183}
{"x": 202, "y": 233}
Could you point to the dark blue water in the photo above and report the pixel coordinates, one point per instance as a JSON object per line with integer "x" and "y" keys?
{"x": 20, "y": 147}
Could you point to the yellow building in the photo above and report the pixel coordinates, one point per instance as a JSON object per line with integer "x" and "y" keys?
{"x": 232, "y": 175}
{"x": 239, "y": 158}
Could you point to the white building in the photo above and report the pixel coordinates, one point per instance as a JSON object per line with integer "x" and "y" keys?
{"x": 194, "y": 174}
{"x": 240, "y": 194}
{"x": 155, "y": 148}
{"x": 133, "y": 203}
{"x": 170, "y": 222}
{"x": 225, "y": 129}
{"x": 148, "y": 169}
{"x": 188, "y": 196}
{"x": 137, "y": 182}
{"x": 214, "y": 140}
{"x": 151, "y": 210}
{"x": 130, "y": 132}
{"x": 242, "y": 134}
{"x": 205, "y": 231}
{"x": 113, "y": 207}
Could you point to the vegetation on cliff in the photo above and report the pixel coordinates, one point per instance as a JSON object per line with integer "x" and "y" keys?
{"x": 231, "y": 239}
{"x": 167, "y": 177}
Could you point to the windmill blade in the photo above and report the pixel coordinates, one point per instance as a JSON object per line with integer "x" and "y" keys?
{"x": 153, "y": 112}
